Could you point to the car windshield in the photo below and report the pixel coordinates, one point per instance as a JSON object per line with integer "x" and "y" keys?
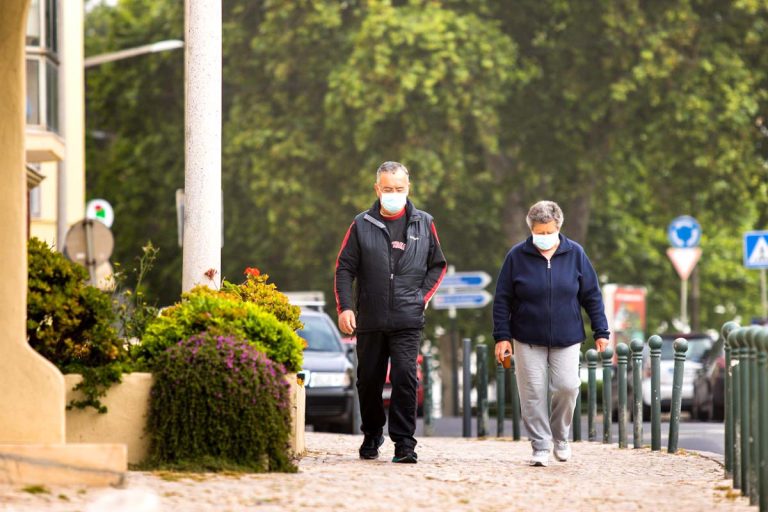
{"x": 697, "y": 347}
{"x": 319, "y": 334}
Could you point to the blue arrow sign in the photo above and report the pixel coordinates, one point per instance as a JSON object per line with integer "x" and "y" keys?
{"x": 756, "y": 249}
{"x": 463, "y": 300}
{"x": 470, "y": 279}
{"x": 684, "y": 232}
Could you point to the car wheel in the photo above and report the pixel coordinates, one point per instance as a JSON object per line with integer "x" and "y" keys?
{"x": 646, "y": 412}
{"x": 718, "y": 413}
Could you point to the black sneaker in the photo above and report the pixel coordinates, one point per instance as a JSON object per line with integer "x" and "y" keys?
{"x": 405, "y": 456}
{"x": 369, "y": 450}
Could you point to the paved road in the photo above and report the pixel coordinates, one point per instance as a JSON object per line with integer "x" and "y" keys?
{"x": 706, "y": 437}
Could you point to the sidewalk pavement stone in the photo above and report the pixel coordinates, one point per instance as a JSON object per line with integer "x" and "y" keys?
{"x": 452, "y": 474}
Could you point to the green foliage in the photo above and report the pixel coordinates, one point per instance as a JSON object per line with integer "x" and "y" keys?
{"x": 69, "y": 322}
{"x": 134, "y": 312}
{"x": 255, "y": 289}
{"x": 218, "y": 403}
{"x": 206, "y": 310}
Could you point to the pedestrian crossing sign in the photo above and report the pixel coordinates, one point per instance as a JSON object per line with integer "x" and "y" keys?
{"x": 756, "y": 249}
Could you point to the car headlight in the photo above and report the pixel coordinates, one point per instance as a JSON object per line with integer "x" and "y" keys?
{"x": 329, "y": 379}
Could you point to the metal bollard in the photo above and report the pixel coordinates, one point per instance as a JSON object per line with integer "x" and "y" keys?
{"x": 654, "y": 343}
{"x": 577, "y": 410}
{"x": 745, "y": 420}
{"x": 515, "y": 403}
{"x": 607, "y": 399}
{"x": 429, "y": 428}
{"x": 500, "y": 399}
{"x": 591, "y": 393}
{"x": 728, "y": 398}
{"x": 622, "y": 350}
{"x": 754, "y": 425}
{"x": 733, "y": 341}
{"x": 681, "y": 347}
{"x": 466, "y": 430}
{"x": 762, "y": 364}
{"x": 637, "y": 392}
{"x": 482, "y": 391}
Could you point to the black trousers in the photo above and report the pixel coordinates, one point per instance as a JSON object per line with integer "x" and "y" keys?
{"x": 374, "y": 350}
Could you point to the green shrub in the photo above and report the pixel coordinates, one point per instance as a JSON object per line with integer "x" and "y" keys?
{"x": 218, "y": 403}
{"x": 70, "y": 323}
{"x": 206, "y": 310}
{"x": 134, "y": 312}
{"x": 256, "y": 289}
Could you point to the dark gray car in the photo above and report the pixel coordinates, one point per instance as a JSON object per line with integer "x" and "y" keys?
{"x": 329, "y": 378}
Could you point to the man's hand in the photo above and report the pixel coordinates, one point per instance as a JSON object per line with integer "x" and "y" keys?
{"x": 601, "y": 344}
{"x": 347, "y": 322}
{"x": 502, "y": 347}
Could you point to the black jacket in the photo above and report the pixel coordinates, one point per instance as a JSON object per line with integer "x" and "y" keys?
{"x": 389, "y": 297}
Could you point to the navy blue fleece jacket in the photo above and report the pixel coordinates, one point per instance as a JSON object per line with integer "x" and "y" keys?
{"x": 539, "y": 302}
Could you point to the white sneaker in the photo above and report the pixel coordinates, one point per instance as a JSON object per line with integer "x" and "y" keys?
{"x": 562, "y": 451}
{"x": 540, "y": 458}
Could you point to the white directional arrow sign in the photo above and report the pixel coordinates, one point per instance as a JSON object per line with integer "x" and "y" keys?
{"x": 477, "y": 279}
{"x": 469, "y": 299}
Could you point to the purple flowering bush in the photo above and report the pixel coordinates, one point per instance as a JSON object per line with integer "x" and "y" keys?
{"x": 218, "y": 403}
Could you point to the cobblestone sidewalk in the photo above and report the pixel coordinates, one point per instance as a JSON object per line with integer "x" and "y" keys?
{"x": 452, "y": 474}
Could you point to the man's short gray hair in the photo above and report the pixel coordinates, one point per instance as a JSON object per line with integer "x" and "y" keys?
{"x": 391, "y": 168}
{"x": 544, "y": 212}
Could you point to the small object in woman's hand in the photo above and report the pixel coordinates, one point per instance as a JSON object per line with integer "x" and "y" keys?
{"x": 506, "y": 359}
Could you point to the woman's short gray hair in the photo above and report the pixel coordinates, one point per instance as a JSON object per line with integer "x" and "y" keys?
{"x": 391, "y": 168}
{"x": 544, "y": 212}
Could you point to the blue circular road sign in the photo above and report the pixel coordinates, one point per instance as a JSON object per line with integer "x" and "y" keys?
{"x": 684, "y": 232}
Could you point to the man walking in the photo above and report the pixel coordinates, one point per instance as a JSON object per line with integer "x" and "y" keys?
{"x": 393, "y": 254}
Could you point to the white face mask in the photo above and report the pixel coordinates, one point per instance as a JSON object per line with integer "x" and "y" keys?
{"x": 546, "y": 242}
{"x": 393, "y": 202}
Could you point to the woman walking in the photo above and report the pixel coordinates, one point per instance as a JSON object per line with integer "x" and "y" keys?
{"x": 544, "y": 283}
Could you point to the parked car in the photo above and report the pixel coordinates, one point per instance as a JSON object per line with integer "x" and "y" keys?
{"x": 328, "y": 373}
{"x": 709, "y": 386}
{"x": 698, "y": 345}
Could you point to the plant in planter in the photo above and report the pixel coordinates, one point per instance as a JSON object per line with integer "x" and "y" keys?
{"x": 220, "y": 313}
{"x": 218, "y": 403}
{"x": 256, "y": 289}
{"x": 70, "y": 323}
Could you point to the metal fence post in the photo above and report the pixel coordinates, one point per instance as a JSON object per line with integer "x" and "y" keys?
{"x": 623, "y": 356}
{"x": 654, "y": 343}
{"x": 515, "y": 403}
{"x": 745, "y": 421}
{"x": 762, "y": 362}
{"x": 577, "y": 410}
{"x": 733, "y": 341}
{"x": 728, "y": 398}
{"x": 754, "y": 424}
{"x": 428, "y": 402}
{"x": 482, "y": 390}
{"x": 607, "y": 398}
{"x": 466, "y": 386}
{"x": 637, "y": 392}
{"x": 681, "y": 347}
{"x": 591, "y": 393}
{"x": 500, "y": 399}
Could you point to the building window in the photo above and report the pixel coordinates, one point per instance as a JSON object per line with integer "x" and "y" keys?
{"x": 35, "y": 202}
{"x": 43, "y": 65}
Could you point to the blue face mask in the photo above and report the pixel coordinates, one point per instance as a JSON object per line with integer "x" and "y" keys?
{"x": 546, "y": 242}
{"x": 393, "y": 202}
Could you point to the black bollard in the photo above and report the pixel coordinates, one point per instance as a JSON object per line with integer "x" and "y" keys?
{"x": 466, "y": 385}
{"x": 745, "y": 404}
{"x": 622, "y": 351}
{"x": 577, "y": 410}
{"x": 681, "y": 347}
{"x": 426, "y": 362}
{"x": 637, "y": 391}
{"x": 754, "y": 423}
{"x": 728, "y": 398}
{"x": 607, "y": 399}
{"x": 592, "y": 393}
{"x": 762, "y": 363}
{"x": 733, "y": 341}
{"x": 654, "y": 343}
{"x": 482, "y": 391}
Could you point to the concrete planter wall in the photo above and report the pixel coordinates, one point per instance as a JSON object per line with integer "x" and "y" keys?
{"x": 128, "y": 404}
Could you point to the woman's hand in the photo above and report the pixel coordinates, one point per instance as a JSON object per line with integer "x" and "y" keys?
{"x": 601, "y": 344}
{"x": 502, "y": 347}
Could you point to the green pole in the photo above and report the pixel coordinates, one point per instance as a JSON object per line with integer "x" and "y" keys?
{"x": 623, "y": 358}
{"x": 577, "y": 410}
{"x": 482, "y": 390}
{"x": 427, "y": 370}
{"x": 728, "y": 398}
{"x": 754, "y": 419}
{"x": 762, "y": 363}
{"x": 637, "y": 390}
{"x": 591, "y": 393}
{"x": 733, "y": 341}
{"x": 745, "y": 421}
{"x": 654, "y": 343}
{"x": 607, "y": 399}
{"x": 500, "y": 399}
{"x": 515, "y": 403}
{"x": 681, "y": 347}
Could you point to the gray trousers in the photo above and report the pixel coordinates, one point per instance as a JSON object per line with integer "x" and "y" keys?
{"x": 531, "y": 365}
